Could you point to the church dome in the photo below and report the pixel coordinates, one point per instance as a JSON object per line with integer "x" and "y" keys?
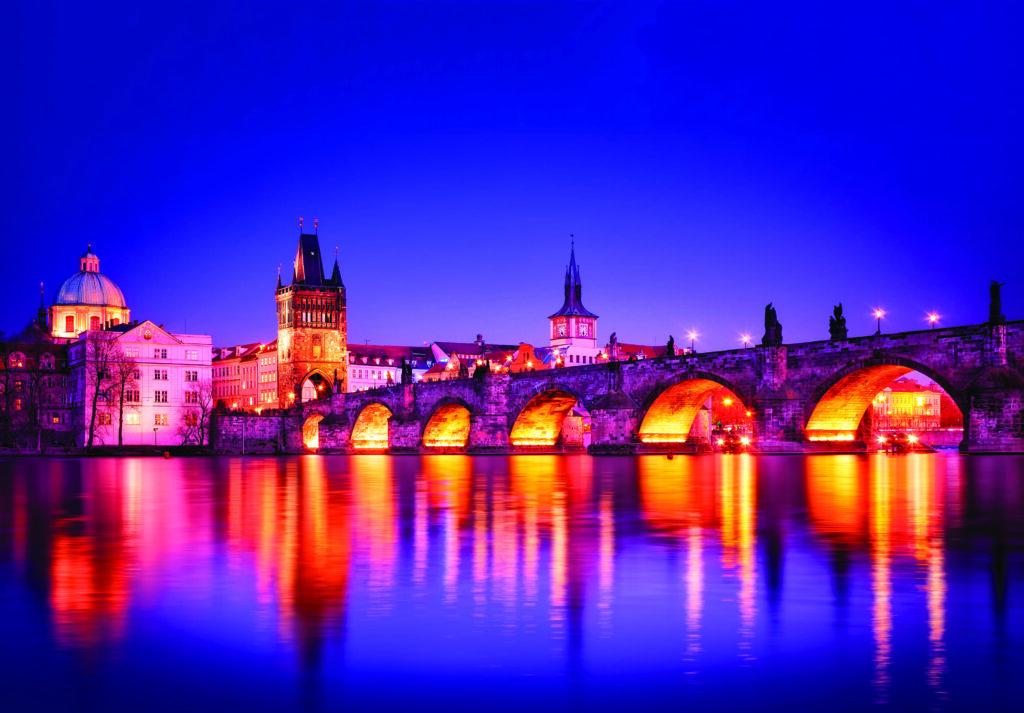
{"x": 89, "y": 286}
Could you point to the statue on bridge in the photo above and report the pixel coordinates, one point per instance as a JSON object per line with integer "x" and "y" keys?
{"x": 670, "y": 348}
{"x": 837, "y": 324}
{"x": 406, "y": 371}
{"x": 772, "y": 327}
{"x": 995, "y": 303}
{"x": 613, "y": 347}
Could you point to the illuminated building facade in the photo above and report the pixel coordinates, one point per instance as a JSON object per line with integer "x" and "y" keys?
{"x": 245, "y": 376}
{"x": 312, "y": 328}
{"x": 170, "y": 370}
{"x": 907, "y": 405}
{"x": 371, "y": 366}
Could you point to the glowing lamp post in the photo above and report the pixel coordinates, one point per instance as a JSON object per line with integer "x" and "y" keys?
{"x": 879, "y": 313}
{"x": 746, "y": 340}
{"x": 933, "y": 318}
{"x": 693, "y": 339}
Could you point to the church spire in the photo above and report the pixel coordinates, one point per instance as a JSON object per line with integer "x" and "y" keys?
{"x": 336, "y": 273}
{"x": 573, "y": 304}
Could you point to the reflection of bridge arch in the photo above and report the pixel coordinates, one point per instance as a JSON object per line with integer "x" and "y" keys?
{"x": 448, "y": 424}
{"x": 671, "y": 407}
{"x": 539, "y": 418}
{"x": 837, "y": 406}
{"x": 370, "y": 431}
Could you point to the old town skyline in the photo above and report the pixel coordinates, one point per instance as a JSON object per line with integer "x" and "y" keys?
{"x": 700, "y": 183}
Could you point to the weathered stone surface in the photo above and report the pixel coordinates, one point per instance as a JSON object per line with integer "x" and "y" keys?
{"x": 793, "y": 391}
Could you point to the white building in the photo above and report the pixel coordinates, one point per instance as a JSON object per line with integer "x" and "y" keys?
{"x": 163, "y": 398}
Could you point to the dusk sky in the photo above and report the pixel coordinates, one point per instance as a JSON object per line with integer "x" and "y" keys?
{"x": 709, "y": 158}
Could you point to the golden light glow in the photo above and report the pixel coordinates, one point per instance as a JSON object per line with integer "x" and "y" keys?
{"x": 727, "y": 401}
{"x": 933, "y": 318}
{"x": 448, "y": 428}
{"x": 744, "y": 440}
{"x": 671, "y": 416}
{"x": 540, "y": 421}
{"x": 879, "y": 313}
{"x": 371, "y": 428}
{"x": 311, "y": 431}
{"x": 842, "y": 407}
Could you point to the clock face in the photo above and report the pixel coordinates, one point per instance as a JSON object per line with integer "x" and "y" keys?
{"x": 147, "y": 334}
{"x": 561, "y": 330}
{"x": 584, "y": 329}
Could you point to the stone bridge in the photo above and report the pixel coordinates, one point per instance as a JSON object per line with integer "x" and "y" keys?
{"x": 800, "y": 397}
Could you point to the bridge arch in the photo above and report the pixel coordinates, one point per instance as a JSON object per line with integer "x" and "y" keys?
{"x": 671, "y": 407}
{"x": 836, "y": 406}
{"x": 541, "y": 415}
{"x": 311, "y": 429}
{"x": 448, "y": 424}
{"x": 370, "y": 428}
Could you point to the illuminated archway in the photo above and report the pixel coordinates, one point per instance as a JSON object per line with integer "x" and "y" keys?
{"x": 448, "y": 427}
{"x": 311, "y": 431}
{"x": 671, "y": 415}
{"x": 540, "y": 421}
{"x": 837, "y": 408}
{"x": 315, "y": 386}
{"x": 371, "y": 428}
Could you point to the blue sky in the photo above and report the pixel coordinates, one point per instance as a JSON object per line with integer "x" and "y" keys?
{"x": 709, "y": 157}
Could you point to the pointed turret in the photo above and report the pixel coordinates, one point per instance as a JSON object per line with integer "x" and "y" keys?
{"x": 336, "y": 273}
{"x": 573, "y": 304}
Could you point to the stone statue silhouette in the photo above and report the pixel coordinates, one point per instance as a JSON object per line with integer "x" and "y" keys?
{"x": 613, "y": 346}
{"x": 837, "y": 324}
{"x": 406, "y": 371}
{"x": 670, "y": 348}
{"x": 772, "y": 327}
{"x": 995, "y": 303}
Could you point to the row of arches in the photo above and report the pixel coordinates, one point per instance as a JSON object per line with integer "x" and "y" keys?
{"x": 692, "y": 409}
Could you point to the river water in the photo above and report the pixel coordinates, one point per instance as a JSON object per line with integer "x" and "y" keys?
{"x": 725, "y": 582}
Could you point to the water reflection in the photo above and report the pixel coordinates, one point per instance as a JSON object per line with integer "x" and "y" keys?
{"x": 538, "y": 564}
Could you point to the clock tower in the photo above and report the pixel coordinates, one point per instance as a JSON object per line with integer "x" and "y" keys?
{"x": 573, "y": 327}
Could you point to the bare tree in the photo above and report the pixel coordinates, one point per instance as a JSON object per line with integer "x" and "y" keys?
{"x": 199, "y": 403}
{"x": 7, "y": 391}
{"x": 100, "y": 350}
{"x": 124, "y": 372}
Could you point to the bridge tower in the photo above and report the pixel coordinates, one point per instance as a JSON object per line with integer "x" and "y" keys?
{"x": 573, "y": 327}
{"x": 312, "y": 327}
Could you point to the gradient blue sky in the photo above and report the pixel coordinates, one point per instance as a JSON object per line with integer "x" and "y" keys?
{"x": 709, "y": 157}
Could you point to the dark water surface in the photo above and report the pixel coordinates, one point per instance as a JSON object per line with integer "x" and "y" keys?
{"x": 512, "y": 583}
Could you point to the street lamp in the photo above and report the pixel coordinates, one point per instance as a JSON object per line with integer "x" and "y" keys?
{"x": 746, "y": 340}
{"x": 154, "y": 435}
{"x": 693, "y": 338}
{"x": 933, "y": 318}
{"x": 879, "y": 313}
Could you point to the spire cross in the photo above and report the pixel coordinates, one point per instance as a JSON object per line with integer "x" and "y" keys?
{"x": 300, "y": 224}
{"x": 335, "y": 253}
{"x": 316, "y": 225}
{"x": 572, "y": 240}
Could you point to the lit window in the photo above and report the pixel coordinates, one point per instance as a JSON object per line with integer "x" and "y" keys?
{"x": 132, "y": 419}
{"x": 160, "y": 419}
{"x": 160, "y": 397}
{"x": 104, "y": 419}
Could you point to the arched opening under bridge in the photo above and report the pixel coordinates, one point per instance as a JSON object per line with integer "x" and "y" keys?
{"x": 554, "y": 418}
{"x": 370, "y": 431}
{"x": 884, "y": 403}
{"x": 311, "y": 431}
{"x": 700, "y": 412}
{"x": 315, "y": 386}
{"x": 448, "y": 427}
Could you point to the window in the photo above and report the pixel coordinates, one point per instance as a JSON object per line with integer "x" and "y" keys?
{"x": 94, "y": 322}
{"x": 160, "y": 374}
{"x": 316, "y": 346}
{"x": 131, "y": 352}
{"x": 132, "y": 419}
{"x": 104, "y": 419}
{"x": 132, "y": 397}
{"x": 160, "y": 397}
{"x": 17, "y": 404}
{"x": 159, "y": 353}
{"x": 191, "y": 419}
{"x": 46, "y": 361}
{"x": 160, "y": 419}
{"x": 191, "y": 397}
{"x": 191, "y": 354}
{"x": 69, "y": 323}
{"x": 136, "y": 374}
{"x": 17, "y": 360}
{"x": 191, "y": 376}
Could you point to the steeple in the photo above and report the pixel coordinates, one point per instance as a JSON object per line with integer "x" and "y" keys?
{"x": 336, "y": 273}
{"x": 41, "y": 312}
{"x": 279, "y": 276}
{"x": 573, "y": 304}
